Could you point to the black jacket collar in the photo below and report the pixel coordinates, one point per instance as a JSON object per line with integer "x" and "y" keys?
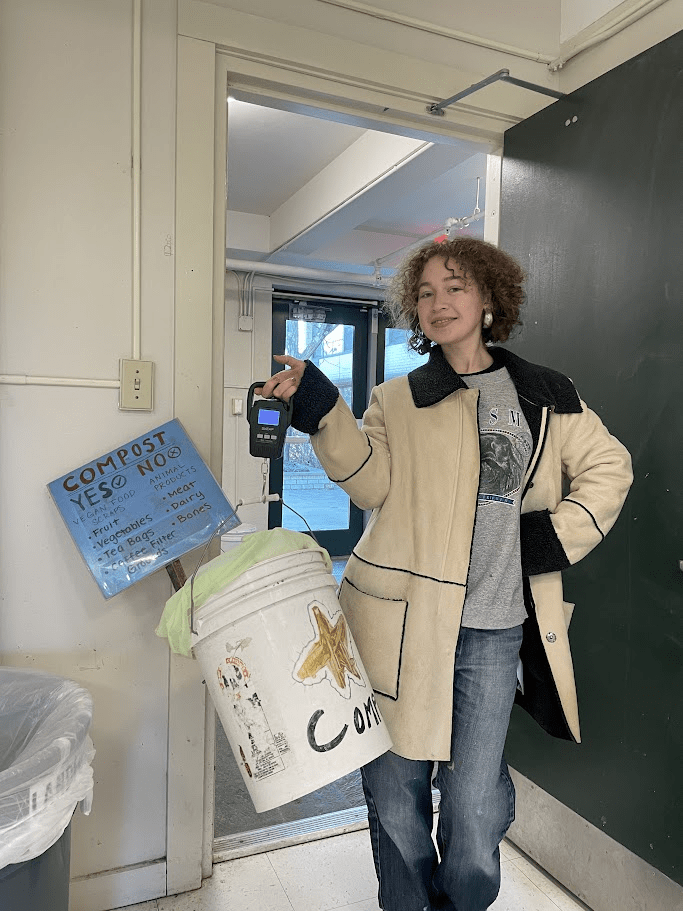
{"x": 436, "y": 379}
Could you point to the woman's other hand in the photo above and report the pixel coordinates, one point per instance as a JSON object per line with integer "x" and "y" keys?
{"x": 284, "y": 384}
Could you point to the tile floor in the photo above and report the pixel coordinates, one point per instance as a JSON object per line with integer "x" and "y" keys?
{"x": 337, "y": 874}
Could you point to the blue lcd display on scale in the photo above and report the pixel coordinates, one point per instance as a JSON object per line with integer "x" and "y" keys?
{"x": 268, "y": 416}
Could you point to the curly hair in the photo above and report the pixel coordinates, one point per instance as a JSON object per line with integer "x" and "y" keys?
{"x": 495, "y": 273}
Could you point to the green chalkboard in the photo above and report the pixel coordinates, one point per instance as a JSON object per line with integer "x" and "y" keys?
{"x": 592, "y": 206}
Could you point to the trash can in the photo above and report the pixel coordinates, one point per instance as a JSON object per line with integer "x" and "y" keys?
{"x": 233, "y": 538}
{"x": 45, "y": 772}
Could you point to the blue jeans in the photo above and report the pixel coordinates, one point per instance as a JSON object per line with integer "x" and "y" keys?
{"x": 477, "y": 795}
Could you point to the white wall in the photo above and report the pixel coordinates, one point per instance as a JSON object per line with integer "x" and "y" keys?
{"x": 577, "y": 15}
{"x": 65, "y": 292}
{"x": 248, "y": 360}
{"x": 248, "y": 231}
{"x": 534, "y": 28}
{"x": 65, "y": 286}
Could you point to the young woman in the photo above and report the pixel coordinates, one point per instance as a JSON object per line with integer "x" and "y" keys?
{"x": 458, "y": 574}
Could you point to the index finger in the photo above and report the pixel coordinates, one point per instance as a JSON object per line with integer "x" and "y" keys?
{"x": 286, "y": 359}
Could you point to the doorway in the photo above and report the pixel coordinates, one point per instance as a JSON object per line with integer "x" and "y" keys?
{"x": 351, "y": 342}
{"x": 206, "y": 382}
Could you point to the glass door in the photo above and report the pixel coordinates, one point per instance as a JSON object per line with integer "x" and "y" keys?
{"x": 334, "y": 337}
{"x": 394, "y": 356}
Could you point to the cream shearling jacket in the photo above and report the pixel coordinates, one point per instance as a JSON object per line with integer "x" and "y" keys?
{"x": 415, "y": 463}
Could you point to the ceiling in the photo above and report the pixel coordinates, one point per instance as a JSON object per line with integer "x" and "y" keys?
{"x": 309, "y": 192}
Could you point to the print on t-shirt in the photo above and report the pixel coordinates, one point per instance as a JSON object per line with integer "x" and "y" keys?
{"x": 495, "y": 597}
{"x": 504, "y": 456}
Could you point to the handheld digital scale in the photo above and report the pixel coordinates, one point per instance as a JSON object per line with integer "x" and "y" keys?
{"x": 268, "y": 423}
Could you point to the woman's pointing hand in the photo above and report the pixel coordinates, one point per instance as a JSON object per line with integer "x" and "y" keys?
{"x": 284, "y": 384}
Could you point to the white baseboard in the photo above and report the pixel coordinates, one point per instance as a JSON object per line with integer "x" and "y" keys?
{"x": 596, "y": 868}
{"x": 118, "y": 888}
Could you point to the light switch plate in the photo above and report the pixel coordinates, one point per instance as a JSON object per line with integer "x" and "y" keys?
{"x": 136, "y": 385}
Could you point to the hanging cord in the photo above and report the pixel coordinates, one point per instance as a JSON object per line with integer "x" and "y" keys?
{"x": 466, "y": 220}
{"x": 264, "y": 479}
{"x": 310, "y": 530}
{"x": 276, "y": 497}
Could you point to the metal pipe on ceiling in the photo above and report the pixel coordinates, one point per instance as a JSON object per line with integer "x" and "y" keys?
{"x": 306, "y": 297}
{"x": 276, "y": 270}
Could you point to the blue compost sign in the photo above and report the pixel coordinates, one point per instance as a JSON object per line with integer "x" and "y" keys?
{"x": 140, "y": 507}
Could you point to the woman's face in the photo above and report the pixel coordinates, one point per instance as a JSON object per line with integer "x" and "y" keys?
{"x": 449, "y": 307}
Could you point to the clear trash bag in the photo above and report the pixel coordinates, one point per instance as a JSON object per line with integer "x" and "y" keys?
{"x": 45, "y": 756}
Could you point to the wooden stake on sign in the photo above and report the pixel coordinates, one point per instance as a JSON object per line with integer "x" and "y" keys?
{"x": 177, "y": 574}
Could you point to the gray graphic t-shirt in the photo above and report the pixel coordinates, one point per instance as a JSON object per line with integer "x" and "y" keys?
{"x": 494, "y": 598}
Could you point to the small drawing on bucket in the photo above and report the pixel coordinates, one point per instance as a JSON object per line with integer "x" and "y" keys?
{"x": 232, "y": 647}
{"x": 260, "y": 748}
{"x": 329, "y": 655}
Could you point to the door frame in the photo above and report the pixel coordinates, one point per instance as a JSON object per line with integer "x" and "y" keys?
{"x": 205, "y": 72}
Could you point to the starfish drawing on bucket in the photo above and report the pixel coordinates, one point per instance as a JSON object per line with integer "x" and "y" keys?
{"x": 330, "y": 650}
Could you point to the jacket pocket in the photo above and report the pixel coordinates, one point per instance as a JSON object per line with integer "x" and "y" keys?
{"x": 378, "y": 628}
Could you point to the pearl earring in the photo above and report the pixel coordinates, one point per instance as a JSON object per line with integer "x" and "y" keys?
{"x": 488, "y": 319}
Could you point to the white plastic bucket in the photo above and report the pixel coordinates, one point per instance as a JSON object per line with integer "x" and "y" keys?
{"x": 233, "y": 538}
{"x": 286, "y": 679}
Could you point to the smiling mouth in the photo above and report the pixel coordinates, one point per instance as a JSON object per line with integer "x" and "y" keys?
{"x": 443, "y": 322}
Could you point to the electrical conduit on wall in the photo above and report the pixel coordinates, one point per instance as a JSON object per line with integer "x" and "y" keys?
{"x": 605, "y": 28}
